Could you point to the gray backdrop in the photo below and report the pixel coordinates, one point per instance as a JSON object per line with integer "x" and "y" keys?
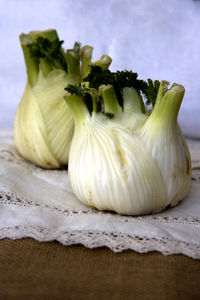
{"x": 158, "y": 39}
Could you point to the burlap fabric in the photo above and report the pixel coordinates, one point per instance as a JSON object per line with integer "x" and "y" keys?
{"x": 33, "y": 270}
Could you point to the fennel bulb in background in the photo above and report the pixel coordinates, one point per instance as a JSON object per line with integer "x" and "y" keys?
{"x": 122, "y": 157}
{"x": 43, "y": 126}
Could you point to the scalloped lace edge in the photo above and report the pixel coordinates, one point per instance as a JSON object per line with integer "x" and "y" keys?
{"x": 93, "y": 239}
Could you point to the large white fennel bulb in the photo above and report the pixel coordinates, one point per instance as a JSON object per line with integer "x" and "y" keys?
{"x": 131, "y": 163}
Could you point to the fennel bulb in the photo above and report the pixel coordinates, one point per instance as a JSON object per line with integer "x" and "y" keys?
{"x": 122, "y": 158}
{"x": 164, "y": 140}
{"x": 43, "y": 126}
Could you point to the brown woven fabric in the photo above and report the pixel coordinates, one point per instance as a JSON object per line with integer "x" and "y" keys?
{"x": 33, "y": 270}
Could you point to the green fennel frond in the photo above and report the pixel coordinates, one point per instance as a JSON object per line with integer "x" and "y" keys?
{"x": 84, "y": 92}
{"x": 77, "y": 89}
{"x": 150, "y": 90}
{"x": 50, "y": 50}
{"x": 118, "y": 80}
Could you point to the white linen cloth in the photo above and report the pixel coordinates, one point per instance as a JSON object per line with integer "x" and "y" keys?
{"x": 39, "y": 203}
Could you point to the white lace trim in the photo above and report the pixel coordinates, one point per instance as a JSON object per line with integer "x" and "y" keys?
{"x": 116, "y": 241}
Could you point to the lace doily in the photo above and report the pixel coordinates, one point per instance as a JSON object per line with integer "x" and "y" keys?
{"x": 39, "y": 203}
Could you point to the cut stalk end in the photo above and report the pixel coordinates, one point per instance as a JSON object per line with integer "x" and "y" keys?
{"x": 30, "y": 61}
{"x": 111, "y": 105}
{"x": 73, "y": 63}
{"x": 86, "y": 57}
{"x": 50, "y": 34}
{"x": 78, "y": 108}
{"x": 168, "y": 104}
{"x": 104, "y": 62}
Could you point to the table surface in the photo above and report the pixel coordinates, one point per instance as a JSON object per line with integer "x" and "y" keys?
{"x": 34, "y": 270}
